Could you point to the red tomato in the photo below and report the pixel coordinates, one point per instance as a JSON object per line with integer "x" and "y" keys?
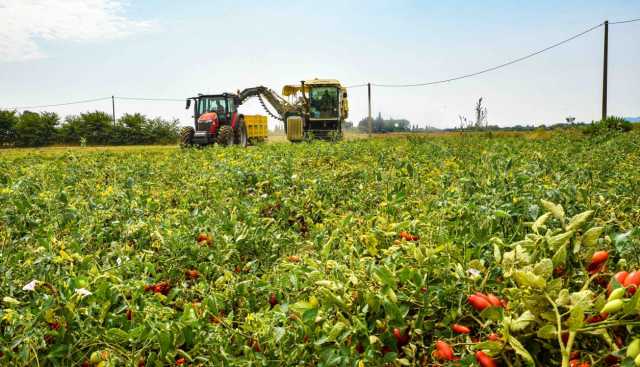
{"x": 443, "y": 351}
{"x": 293, "y": 258}
{"x": 401, "y": 339}
{"x": 478, "y": 302}
{"x": 181, "y": 362}
{"x": 192, "y": 274}
{"x": 495, "y": 301}
{"x": 273, "y": 300}
{"x": 597, "y": 318}
{"x": 408, "y": 236}
{"x": 493, "y": 337}
{"x": 204, "y": 238}
{"x": 460, "y": 329}
{"x": 632, "y": 279}
{"x": 484, "y": 360}
{"x": 593, "y": 268}
{"x": 599, "y": 257}
{"x": 619, "y": 277}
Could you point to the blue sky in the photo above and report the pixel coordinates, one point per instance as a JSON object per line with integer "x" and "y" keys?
{"x": 86, "y": 49}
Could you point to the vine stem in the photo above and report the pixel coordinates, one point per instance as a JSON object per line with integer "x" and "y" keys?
{"x": 564, "y": 350}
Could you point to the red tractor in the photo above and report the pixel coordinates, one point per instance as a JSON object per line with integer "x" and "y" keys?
{"x": 216, "y": 120}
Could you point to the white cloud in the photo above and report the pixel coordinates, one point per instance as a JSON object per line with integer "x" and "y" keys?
{"x": 24, "y": 22}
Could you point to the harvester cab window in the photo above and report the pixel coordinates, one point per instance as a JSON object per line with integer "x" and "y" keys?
{"x": 323, "y": 102}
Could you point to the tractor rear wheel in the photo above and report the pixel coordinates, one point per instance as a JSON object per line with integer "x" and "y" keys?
{"x": 225, "y": 135}
{"x": 241, "y": 136}
{"x": 186, "y": 136}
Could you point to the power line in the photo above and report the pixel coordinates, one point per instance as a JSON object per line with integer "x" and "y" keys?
{"x": 625, "y": 21}
{"x": 494, "y": 67}
{"x": 363, "y": 84}
{"x": 151, "y": 99}
{"x": 61, "y": 104}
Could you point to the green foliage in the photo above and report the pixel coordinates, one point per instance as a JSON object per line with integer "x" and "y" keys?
{"x": 318, "y": 252}
{"x": 8, "y": 122}
{"x": 93, "y": 128}
{"x": 380, "y": 125}
{"x": 36, "y": 129}
{"x": 610, "y": 125}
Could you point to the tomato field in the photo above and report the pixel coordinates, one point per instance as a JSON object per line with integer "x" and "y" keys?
{"x": 451, "y": 250}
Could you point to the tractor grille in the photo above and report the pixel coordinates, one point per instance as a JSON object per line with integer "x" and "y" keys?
{"x": 203, "y": 126}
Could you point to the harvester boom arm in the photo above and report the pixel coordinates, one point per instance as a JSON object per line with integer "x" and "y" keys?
{"x": 279, "y": 104}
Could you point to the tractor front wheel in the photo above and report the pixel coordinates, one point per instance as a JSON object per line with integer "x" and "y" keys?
{"x": 186, "y": 136}
{"x": 241, "y": 136}
{"x": 225, "y": 135}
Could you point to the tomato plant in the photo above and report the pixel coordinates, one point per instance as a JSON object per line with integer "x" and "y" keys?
{"x": 421, "y": 251}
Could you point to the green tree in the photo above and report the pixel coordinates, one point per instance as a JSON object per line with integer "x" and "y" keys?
{"x": 130, "y": 129}
{"x": 36, "y": 129}
{"x": 8, "y": 122}
{"x": 159, "y": 131}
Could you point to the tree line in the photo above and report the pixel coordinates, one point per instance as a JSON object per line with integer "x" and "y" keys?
{"x": 32, "y": 129}
{"x": 380, "y": 125}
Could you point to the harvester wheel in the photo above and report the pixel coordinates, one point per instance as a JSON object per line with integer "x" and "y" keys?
{"x": 241, "y": 136}
{"x": 225, "y": 135}
{"x": 186, "y": 136}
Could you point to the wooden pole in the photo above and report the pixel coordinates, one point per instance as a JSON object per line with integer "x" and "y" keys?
{"x": 370, "y": 121}
{"x": 113, "y": 110}
{"x": 604, "y": 70}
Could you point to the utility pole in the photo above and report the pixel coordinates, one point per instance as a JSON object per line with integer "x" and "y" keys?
{"x": 370, "y": 122}
{"x": 113, "y": 110}
{"x": 604, "y": 70}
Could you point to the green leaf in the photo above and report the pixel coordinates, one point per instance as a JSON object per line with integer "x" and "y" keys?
{"x": 633, "y": 305}
{"x": 497, "y": 254}
{"x": 564, "y": 299}
{"x": 523, "y": 321}
{"x": 117, "y": 335}
{"x": 385, "y": 276}
{"x": 559, "y": 240}
{"x": 555, "y": 209}
{"x": 578, "y": 220}
{"x": 529, "y": 279}
{"x": 492, "y": 313}
{"x": 540, "y": 222}
{"x": 547, "y": 332}
{"x": 560, "y": 257}
{"x": 279, "y": 333}
{"x": 576, "y": 317}
{"x": 492, "y": 348}
{"x": 544, "y": 268}
{"x": 10, "y": 301}
{"x": 583, "y": 298}
{"x": 520, "y": 350}
{"x": 590, "y": 237}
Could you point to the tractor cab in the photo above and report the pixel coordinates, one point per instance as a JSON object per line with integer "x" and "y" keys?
{"x": 207, "y": 108}
{"x": 211, "y": 113}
